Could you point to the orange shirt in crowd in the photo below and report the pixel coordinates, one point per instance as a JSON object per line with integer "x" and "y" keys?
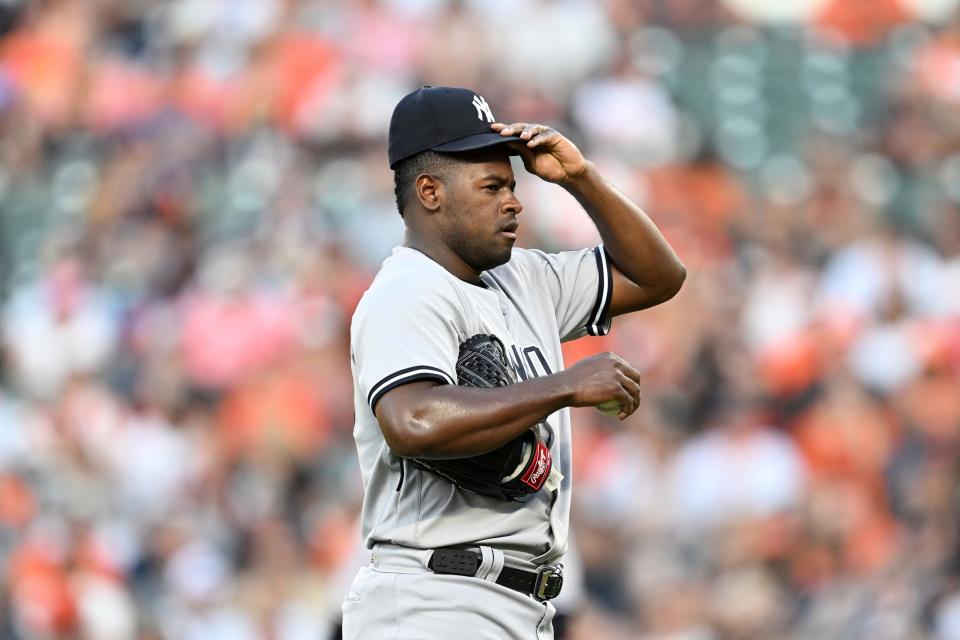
{"x": 862, "y": 22}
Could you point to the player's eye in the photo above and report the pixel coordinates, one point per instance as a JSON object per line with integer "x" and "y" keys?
{"x": 492, "y": 188}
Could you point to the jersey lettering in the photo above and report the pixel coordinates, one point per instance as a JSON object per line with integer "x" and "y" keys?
{"x": 527, "y": 367}
{"x": 516, "y": 363}
{"x": 544, "y": 368}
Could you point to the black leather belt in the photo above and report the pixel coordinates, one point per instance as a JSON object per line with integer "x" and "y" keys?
{"x": 544, "y": 584}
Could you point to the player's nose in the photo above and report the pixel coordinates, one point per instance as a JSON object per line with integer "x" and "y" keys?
{"x": 511, "y": 204}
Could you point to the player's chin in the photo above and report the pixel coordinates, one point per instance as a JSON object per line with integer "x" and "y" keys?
{"x": 503, "y": 256}
{"x": 497, "y": 257}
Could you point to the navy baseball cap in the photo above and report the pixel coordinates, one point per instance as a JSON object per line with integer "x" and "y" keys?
{"x": 445, "y": 119}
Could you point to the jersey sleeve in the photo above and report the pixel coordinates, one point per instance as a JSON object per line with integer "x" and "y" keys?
{"x": 580, "y": 285}
{"x": 402, "y": 338}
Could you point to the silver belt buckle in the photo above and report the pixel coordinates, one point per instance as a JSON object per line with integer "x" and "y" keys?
{"x": 549, "y": 582}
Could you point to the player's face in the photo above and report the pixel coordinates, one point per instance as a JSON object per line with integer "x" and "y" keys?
{"x": 483, "y": 210}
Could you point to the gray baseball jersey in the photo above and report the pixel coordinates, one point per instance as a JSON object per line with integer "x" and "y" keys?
{"x": 408, "y": 327}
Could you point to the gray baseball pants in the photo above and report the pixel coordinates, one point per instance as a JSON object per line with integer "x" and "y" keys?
{"x": 397, "y": 597}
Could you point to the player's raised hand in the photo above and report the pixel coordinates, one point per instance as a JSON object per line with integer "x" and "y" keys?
{"x": 603, "y": 378}
{"x": 546, "y": 153}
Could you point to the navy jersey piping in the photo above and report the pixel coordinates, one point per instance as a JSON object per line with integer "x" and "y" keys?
{"x": 405, "y": 376}
{"x": 601, "y": 308}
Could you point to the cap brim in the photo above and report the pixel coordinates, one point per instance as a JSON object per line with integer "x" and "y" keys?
{"x": 477, "y": 141}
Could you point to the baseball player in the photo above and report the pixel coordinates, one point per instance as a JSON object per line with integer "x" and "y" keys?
{"x": 461, "y": 398}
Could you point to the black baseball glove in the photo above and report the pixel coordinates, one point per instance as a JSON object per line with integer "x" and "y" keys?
{"x": 516, "y": 469}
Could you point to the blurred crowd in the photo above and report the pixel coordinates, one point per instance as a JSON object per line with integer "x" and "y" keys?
{"x": 194, "y": 194}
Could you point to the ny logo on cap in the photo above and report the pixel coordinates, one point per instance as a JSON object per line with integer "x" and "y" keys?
{"x": 483, "y": 109}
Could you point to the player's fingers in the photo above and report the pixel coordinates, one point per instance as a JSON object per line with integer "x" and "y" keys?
{"x": 627, "y": 403}
{"x": 532, "y": 130}
{"x": 525, "y": 154}
{"x": 547, "y": 135}
{"x": 631, "y": 373}
{"x": 633, "y": 388}
{"x": 625, "y": 396}
{"x": 513, "y": 129}
{"x": 616, "y": 357}
{"x": 624, "y": 367}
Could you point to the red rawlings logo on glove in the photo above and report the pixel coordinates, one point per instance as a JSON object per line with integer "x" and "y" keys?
{"x": 536, "y": 474}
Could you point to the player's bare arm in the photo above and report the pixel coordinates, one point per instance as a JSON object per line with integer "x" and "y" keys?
{"x": 427, "y": 420}
{"x": 646, "y": 269}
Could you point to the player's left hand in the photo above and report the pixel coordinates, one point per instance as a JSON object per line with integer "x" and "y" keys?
{"x": 547, "y": 154}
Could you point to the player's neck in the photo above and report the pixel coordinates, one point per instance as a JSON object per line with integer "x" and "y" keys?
{"x": 442, "y": 255}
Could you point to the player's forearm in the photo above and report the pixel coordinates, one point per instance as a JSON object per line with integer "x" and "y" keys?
{"x": 424, "y": 421}
{"x": 634, "y": 242}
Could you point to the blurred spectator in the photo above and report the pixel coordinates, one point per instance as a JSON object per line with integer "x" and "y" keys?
{"x": 739, "y": 470}
{"x": 58, "y": 327}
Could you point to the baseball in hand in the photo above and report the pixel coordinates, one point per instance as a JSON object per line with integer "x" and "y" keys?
{"x": 609, "y": 408}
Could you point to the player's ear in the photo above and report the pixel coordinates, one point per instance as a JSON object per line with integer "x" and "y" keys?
{"x": 429, "y": 191}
